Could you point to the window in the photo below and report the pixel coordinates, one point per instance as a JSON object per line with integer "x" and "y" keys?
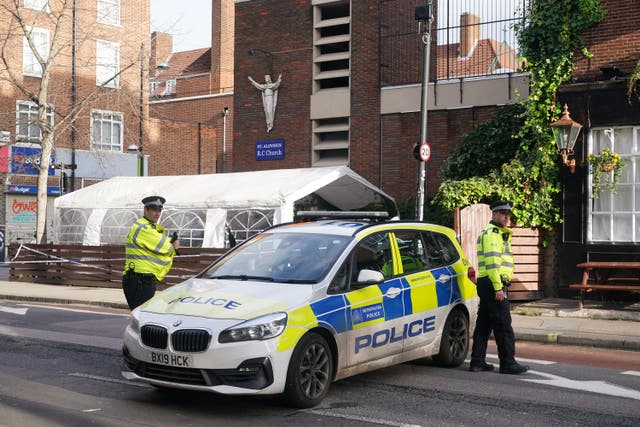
{"x": 107, "y": 63}
{"x": 40, "y": 39}
{"x": 27, "y": 129}
{"x": 615, "y": 215}
{"x": 42, "y": 5}
{"x": 169, "y": 87}
{"x": 109, "y": 12}
{"x": 106, "y": 131}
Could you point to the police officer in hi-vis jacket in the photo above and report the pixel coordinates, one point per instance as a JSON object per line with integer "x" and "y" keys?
{"x": 495, "y": 270}
{"x": 149, "y": 254}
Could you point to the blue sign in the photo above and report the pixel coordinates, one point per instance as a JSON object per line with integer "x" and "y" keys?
{"x": 31, "y": 189}
{"x": 270, "y": 150}
{"x": 24, "y": 159}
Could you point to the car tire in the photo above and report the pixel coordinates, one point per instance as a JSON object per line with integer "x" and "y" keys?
{"x": 310, "y": 372}
{"x": 454, "y": 344}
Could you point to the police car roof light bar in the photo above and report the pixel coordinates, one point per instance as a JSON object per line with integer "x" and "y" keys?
{"x": 353, "y": 215}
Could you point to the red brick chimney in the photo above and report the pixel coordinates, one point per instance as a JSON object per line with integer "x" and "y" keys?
{"x": 469, "y": 33}
{"x": 222, "y": 44}
{"x": 161, "y": 50}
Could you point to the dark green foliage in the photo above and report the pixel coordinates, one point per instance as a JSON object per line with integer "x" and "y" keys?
{"x": 490, "y": 144}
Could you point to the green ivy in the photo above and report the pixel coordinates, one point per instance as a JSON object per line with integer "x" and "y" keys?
{"x": 548, "y": 40}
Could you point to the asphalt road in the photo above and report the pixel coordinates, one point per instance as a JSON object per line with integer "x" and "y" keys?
{"x": 62, "y": 367}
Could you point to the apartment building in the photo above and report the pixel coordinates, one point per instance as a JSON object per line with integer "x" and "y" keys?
{"x": 95, "y": 57}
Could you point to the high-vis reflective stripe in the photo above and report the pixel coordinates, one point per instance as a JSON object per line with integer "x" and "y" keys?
{"x": 148, "y": 249}
{"x": 495, "y": 259}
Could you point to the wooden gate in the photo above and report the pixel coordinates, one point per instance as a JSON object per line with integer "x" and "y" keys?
{"x": 525, "y": 243}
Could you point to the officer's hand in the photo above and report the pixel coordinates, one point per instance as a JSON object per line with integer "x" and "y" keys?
{"x": 500, "y": 295}
{"x": 176, "y": 244}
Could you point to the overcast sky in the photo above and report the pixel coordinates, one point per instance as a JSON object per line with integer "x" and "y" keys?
{"x": 188, "y": 21}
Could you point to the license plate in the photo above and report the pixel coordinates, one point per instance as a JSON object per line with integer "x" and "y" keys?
{"x": 182, "y": 361}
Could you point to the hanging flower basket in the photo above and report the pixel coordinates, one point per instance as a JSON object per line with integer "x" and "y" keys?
{"x": 606, "y": 167}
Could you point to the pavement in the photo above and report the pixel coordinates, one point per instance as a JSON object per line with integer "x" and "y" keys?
{"x": 550, "y": 320}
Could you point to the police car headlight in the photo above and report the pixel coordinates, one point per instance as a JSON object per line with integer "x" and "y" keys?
{"x": 134, "y": 323}
{"x": 260, "y": 328}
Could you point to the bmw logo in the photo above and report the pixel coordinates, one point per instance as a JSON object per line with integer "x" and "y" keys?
{"x": 177, "y": 323}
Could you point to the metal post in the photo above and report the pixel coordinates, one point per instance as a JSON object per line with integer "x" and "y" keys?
{"x": 425, "y": 25}
{"x": 141, "y": 118}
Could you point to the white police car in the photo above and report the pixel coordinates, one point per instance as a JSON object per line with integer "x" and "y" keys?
{"x": 303, "y": 304}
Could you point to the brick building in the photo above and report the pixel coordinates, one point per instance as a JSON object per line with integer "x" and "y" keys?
{"x": 351, "y": 87}
{"x": 95, "y": 97}
{"x": 606, "y": 228}
{"x": 192, "y": 101}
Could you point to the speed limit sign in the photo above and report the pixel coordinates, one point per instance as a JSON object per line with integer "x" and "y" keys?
{"x": 425, "y": 151}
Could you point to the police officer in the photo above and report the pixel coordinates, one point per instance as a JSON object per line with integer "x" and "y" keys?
{"x": 149, "y": 254}
{"x": 495, "y": 270}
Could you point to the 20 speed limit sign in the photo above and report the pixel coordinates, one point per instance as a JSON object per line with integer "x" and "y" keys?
{"x": 425, "y": 151}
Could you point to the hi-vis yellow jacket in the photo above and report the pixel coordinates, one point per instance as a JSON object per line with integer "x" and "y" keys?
{"x": 495, "y": 259}
{"x": 149, "y": 249}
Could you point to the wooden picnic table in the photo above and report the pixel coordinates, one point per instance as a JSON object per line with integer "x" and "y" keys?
{"x": 606, "y": 276}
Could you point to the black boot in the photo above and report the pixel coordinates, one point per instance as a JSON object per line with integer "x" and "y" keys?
{"x": 513, "y": 368}
{"x": 477, "y": 367}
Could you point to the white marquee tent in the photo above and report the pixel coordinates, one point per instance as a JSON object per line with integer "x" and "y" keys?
{"x": 204, "y": 208}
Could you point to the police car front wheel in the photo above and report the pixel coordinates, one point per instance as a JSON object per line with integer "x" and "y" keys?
{"x": 310, "y": 372}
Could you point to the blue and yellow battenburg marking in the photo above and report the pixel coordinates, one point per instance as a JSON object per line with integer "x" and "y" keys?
{"x": 420, "y": 292}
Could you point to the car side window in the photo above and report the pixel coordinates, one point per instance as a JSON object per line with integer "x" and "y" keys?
{"x": 412, "y": 251}
{"x": 441, "y": 251}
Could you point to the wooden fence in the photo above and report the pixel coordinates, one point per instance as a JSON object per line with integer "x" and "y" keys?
{"x": 99, "y": 266}
{"x": 525, "y": 243}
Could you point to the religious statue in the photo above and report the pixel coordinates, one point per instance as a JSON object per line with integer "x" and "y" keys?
{"x": 269, "y": 91}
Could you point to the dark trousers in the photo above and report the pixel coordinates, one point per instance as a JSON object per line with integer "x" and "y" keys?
{"x": 138, "y": 288}
{"x": 493, "y": 316}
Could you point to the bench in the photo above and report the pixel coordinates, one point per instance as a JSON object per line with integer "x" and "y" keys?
{"x": 602, "y": 277}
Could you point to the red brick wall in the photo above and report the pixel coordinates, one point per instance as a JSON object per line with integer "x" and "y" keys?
{"x": 283, "y": 27}
{"x": 613, "y": 42}
{"x": 181, "y": 148}
{"x": 365, "y": 144}
{"x": 207, "y": 111}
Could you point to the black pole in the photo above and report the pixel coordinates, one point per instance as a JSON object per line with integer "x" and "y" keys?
{"x": 74, "y": 95}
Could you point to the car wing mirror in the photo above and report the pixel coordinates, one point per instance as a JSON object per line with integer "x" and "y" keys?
{"x": 368, "y": 277}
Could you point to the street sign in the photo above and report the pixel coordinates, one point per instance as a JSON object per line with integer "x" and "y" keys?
{"x": 425, "y": 151}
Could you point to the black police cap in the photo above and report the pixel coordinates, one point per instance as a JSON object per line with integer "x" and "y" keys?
{"x": 154, "y": 202}
{"x": 501, "y": 205}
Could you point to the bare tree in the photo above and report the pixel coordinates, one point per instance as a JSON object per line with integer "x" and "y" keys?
{"x": 55, "y": 58}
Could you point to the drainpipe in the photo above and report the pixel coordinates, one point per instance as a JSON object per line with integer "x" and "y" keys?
{"x": 225, "y": 111}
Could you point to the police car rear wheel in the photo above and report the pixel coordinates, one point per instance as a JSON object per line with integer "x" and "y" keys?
{"x": 310, "y": 371}
{"x": 455, "y": 340}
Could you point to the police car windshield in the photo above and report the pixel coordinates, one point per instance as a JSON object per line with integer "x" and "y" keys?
{"x": 281, "y": 257}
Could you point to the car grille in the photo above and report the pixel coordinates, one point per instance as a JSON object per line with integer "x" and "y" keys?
{"x": 190, "y": 340}
{"x": 154, "y": 336}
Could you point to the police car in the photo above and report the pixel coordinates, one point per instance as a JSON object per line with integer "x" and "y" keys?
{"x": 304, "y": 304}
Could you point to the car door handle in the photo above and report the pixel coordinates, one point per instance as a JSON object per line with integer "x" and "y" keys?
{"x": 392, "y": 292}
{"x": 444, "y": 278}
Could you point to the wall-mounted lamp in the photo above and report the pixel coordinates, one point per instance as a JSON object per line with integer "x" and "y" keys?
{"x": 134, "y": 149}
{"x": 565, "y": 132}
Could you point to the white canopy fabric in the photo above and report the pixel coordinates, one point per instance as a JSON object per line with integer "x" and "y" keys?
{"x": 88, "y": 215}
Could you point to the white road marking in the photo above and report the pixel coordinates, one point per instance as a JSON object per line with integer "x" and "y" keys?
{"x": 494, "y": 357}
{"x": 20, "y": 311}
{"x": 600, "y": 387}
{"x": 636, "y": 373}
{"x": 328, "y": 413}
{"x": 92, "y": 410}
{"x": 107, "y": 379}
{"x": 87, "y": 310}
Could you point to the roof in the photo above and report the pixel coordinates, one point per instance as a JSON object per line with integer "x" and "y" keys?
{"x": 182, "y": 65}
{"x": 487, "y": 56}
{"x": 338, "y": 185}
